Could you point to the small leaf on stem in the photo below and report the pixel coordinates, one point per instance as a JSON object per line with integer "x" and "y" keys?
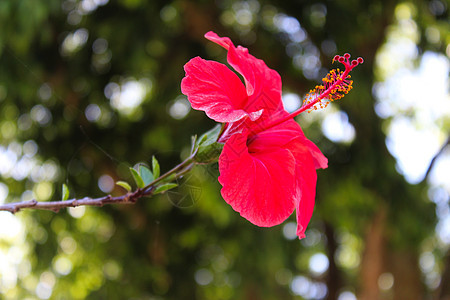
{"x": 137, "y": 178}
{"x": 146, "y": 174}
{"x": 164, "y": 187}
{"x": 210, "y": 136}
{"x": 125, "y": 185}
{"x": 65, "y": 192}
{"x": 208, "y": 149}
{"x": 194, "y": 143}
{"x": 156, "y": 169}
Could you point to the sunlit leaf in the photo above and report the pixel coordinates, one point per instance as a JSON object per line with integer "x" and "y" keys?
{"x": 193, "y": 142}
{"x": 146, "y": 174}
{"x": 208, "y": 150}
{"x": 164, "y": 187}
{"x": 156, "y": 169}
{"x": 65, "y": 192}
{"x": 125, "y": 185}
{"x": 210, "y": 136}
{"x": 137, "y": 178}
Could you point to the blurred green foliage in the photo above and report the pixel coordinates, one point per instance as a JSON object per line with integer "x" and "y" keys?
{"x": 90, "y": 87}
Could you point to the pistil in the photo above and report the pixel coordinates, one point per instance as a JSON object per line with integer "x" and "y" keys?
{"x": 335, "y": 85}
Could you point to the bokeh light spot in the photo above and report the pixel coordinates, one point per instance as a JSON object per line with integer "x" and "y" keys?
{"x": 318, "y": 263}
{"x": 385, "y": 281}
{"x": 106, "y": 183}
{"x": 203, "y": 277}
{"x": 179, "y": 108}
{"x": 290, "y": 230}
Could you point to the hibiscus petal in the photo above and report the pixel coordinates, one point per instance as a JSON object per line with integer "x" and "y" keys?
{"x": 320, "y": 161}
{"x": 260, "y": 186}
{"x": 276, "y": 136}
{"x": 305, "y": 207}
{"x": 263, "y": 84}
{"x": 215, "y": 89}
{"x": 306, "y": 175}
{"x": 282, "y": 134}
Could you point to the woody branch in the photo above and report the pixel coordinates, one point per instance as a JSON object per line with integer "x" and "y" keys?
{"x": 86, "y": 201}
{"x": 128, "y": 198}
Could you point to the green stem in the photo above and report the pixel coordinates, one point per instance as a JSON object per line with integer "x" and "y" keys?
{"x": 179, "y": 170}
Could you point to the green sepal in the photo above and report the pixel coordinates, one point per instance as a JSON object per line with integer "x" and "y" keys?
{"x": 155, "y": 167}
{"x": 65, "y": 192}
{"x": 204, "y": 137}
{"x": 209, "y": 154}
{"x": 164, "y": 187}
{"x": 125, "y": 185}
{"x": 146, "y": 174}
{"x": 193, "y": 142}
{"x": 211, "y": 136}
{"x": 137, "y": 178}
{"x": 208, "y": 149}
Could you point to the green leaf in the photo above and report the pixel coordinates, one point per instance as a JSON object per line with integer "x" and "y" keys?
{"x": 156, "y": 169}
{"x": 137, "y": 178}
{"x": 125, "y": 185}
{"x": 202, "y": 139}
{"x": 210, "y": 136}
{"x": 164, "y": 187}
{"x": 208, "y": 150}
{"x": 65, "y": 192}
{"x": 193, "y": 142}
{"x": 146, "y": 174}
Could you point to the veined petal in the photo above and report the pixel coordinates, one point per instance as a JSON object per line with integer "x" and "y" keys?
{"x": 215, "y": 89}
{"x": 288, "y": 135}
{"x": 274, "y": 137}
{"x": 320, "y": 161}
{"x": 306, "y": 176}
{"x": 262, "y": 83}
{"x": 280, "y": 135}
{"x": 260, "y": 186}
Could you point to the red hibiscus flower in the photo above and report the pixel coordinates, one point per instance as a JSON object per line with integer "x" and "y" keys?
{"x": 267, "y": 166}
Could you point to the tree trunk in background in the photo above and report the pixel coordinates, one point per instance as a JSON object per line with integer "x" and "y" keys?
{"x": 444, "y": 288}
{"x": 372, "y": 263}
{"x": 334, "y": 278}
{"x": 407, "y": 276}
{"x": 378, "y": 258}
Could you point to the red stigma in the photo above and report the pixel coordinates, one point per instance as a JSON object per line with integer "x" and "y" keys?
{"x": 334, "y": 86}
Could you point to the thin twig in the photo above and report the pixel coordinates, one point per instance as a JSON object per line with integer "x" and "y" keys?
{"x": 55, "y": 206}
{"x": 128, "y": 198}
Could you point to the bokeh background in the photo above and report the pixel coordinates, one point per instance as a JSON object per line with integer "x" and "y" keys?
{"x": 91, "y": 87}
